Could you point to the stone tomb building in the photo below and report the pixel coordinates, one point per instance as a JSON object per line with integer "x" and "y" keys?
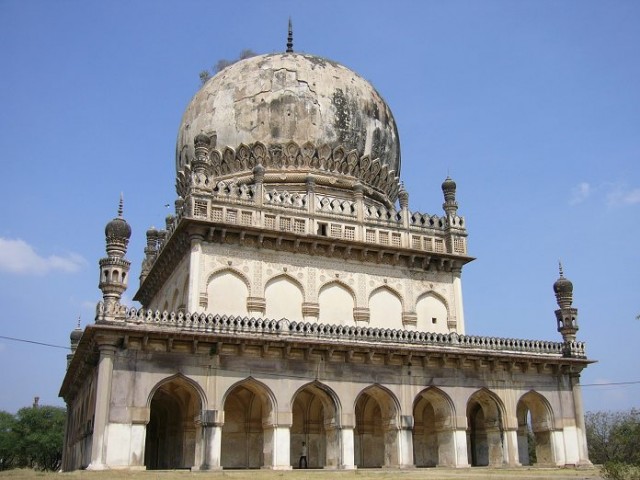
{"x": 295, "y": 297}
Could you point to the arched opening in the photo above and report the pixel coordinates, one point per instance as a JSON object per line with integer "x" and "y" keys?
{"x": 485, "y": 433}
{"x": 172, "y": 431}
{"x": 385, "y": 309}
{"x": 283, "y": 298}
{"x": 247, "y": 407}
{"x": 315, "y": 417}
{"x": 336, "y": 304}
{"x": 432, "y": 314}
{"x": 227, "y": 294}
{"x": 376, "y": 434}
{"x": 535, "y": 425}
{"x": 433, "y": 432}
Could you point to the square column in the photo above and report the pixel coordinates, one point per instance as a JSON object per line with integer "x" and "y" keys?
{"x": 461, "y": 449}
{"x": 347, "y": 450}
{"x": 276, "y": 447}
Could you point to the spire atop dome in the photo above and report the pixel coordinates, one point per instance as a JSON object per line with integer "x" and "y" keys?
{"x": 290, "y": 38}
{"x": 560, "y": 269}
{"x": 121, "y": 205}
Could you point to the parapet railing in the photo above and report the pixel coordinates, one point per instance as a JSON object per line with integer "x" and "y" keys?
{"x": 209, "y": 323}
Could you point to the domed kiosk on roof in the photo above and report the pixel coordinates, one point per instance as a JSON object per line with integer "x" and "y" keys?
{"x": 296, "y": 311}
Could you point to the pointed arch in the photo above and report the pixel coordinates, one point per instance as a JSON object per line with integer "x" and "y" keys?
{"x": 432, "y": 310}
{"x": 385, "y": 308}
{"x": 227, "y": 292}
{"x": 485, "y": 433}
{"x": 433, "y": 442}
{"x": 316, "y": 416}
{"x": 376, "y": 441}
{"x": 175, "y": 403}
{"x": 535, "y": 429}
{"x": 249, "y": 406}
{"x": 284, "y": 296}
{"x": 336, "y": 301}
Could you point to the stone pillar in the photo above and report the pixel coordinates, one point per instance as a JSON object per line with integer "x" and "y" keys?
{"x": 256, "y": 306}
{"x": 103, "y": 399}
{"x": 212, "y": 421}
{"x": 276, "y": 447}
{"x": 461, "y": 449}
{"x": 193, "y": 300}
{"x": 457, "y": 293}
{"x": 581, "y": 428}
{"x": 511, "y": 456}
{"x": 310, "y": 312}
{"x": 405, "y": 445}
{"x": 358, "y": 198}
{"x": 495, "y": 449}
{"x": 557, "y": 447}
{"x": 332, "y": 441}
{"x": 347, "y": 453}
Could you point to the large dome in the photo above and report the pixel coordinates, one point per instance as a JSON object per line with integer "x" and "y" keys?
{"x": 290, "y": 97}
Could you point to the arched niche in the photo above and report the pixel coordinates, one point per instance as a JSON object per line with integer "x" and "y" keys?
{"x": 283, "y": 296}
{"x": 432, "y": 313}
{"x": 227, "y": 293}
{"x": 485, "y": 429}
{"x": 248, "y": 407}
{"x": 376, "y": 433}
{"x": 172, "y": 434}
{"x": 535, "y": 427}
{"x": 433, "y": 431}
{"x": 385, "y": 309}
{"x": 336, "y": 303}
{"x": 316, "y": 411}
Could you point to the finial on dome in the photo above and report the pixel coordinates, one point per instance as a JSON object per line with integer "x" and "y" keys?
{"x": 290, "y": 38}
{"x": 121, "y": 205}
{"x": 560, "y": 268}
{"x": 79, "y": 317}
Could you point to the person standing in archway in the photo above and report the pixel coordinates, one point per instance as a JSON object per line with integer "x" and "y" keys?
{"x": 303, "y": 456}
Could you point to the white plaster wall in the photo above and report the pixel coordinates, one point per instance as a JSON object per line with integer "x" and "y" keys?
{"x": 336, "y": 305}
{"x": 284, "y": 299}
{"x": 385, "y": 309}
{"x": 176, "y": 282}
{"x": 227, "y": 294}
{"x": 429, "y": 307}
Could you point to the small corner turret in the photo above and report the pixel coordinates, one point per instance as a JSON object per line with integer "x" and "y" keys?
{"x": 114, "y": 268}
{"x": 566, "y": 315}
{"x": 450, "y": 206}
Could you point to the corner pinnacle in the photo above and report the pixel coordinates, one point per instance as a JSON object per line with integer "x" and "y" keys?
{"x": 290, "y": 38}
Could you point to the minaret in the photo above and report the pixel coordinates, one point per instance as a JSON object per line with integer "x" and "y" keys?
{"x": 114, "y": 268}
{"x": 450, "y": 205}
{"x": 566, "y": 315}
{"x": 74, "y": 339}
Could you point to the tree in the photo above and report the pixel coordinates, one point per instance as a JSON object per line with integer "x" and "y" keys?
{"x": 7, "y": 440}
{"x": 38, "y": 435}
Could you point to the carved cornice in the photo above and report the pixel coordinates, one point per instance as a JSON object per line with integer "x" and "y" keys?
{"x": 276, "y": 159}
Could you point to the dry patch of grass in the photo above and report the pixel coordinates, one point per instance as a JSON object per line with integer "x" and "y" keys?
{"x": 524, "y": 473}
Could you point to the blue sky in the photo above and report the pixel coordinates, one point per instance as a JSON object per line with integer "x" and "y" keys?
{"x": 533, "y": 107}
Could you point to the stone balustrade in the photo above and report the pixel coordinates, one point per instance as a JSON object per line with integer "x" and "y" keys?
{"x": 209, "y": 323}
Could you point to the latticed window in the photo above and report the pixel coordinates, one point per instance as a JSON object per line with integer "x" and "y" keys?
{"x": 439, "y": 243}
{"x": 428, "y": 244}
{"x": 350, "y": 233}
{"x": 216, "y": 214}
{"x": 299, "y": 225}
{"x": 396, "y": 239}
{"x": 416, "y": 242}
{"x": 336, "y": 230}
{"x": 285, "y": 224}
{"x": 370, "y": 236}
{"x": 270, "y": 221}
{"x": 384, "y": 238}
{"x": 232, "y": 216}
{"x": 200, "y": 208}
{"x": 246, "y": 218}
{"x": 458, "y": 245}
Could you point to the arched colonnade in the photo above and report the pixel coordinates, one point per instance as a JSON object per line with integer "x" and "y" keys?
{"x": 254, "y": 428}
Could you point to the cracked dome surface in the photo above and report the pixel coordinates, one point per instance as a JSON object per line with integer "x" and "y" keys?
{"x": 278, "y": 98}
